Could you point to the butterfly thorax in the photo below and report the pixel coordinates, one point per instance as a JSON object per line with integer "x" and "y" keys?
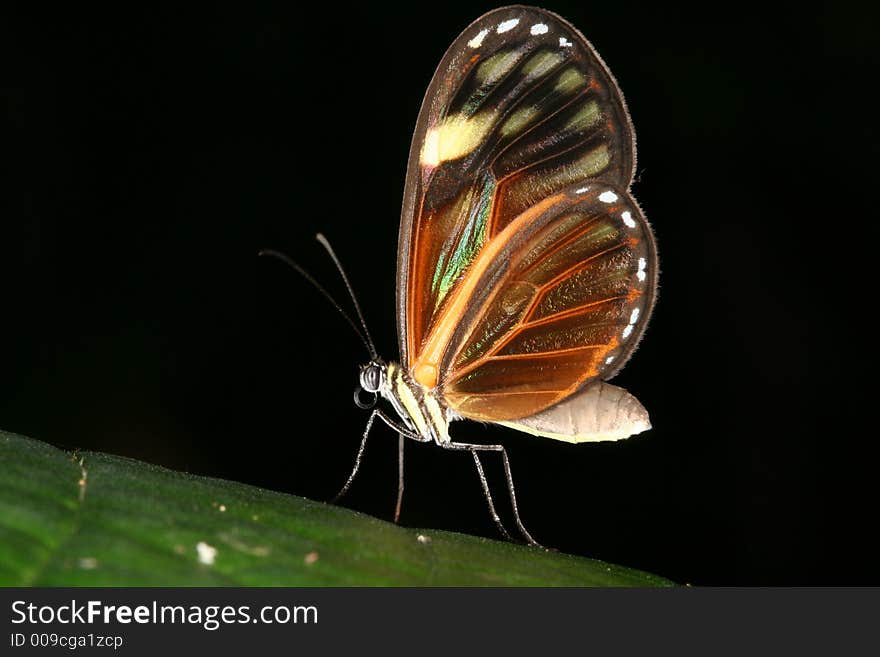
{"x": 418, "y": 407}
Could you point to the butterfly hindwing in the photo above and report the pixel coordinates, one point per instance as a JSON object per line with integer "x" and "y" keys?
{"x": 563, "y": 303}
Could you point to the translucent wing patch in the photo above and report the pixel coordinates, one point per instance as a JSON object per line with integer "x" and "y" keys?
{"x": 557, "y": 300}
{"x": 521, "y": 107}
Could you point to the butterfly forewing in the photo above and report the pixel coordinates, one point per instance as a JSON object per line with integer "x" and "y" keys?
{"x": 517, "y": 278}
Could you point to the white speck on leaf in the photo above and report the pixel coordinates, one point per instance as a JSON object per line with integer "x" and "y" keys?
{"x": 88, "y": 563}
{"x": 207, "y": 553}
{"x": 421, "y": 538}
{"x": 236, "y": 543}
{"x": 310, "y": 558}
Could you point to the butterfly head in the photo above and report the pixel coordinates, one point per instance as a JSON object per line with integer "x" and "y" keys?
{"x": 371, "y": 380}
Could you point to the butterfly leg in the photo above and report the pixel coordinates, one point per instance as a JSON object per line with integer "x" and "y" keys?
{"x": 363, "y": 446}
{"x": 488, "y": 495}
{"x": 400, "y": 441}
{"x": 474, "y": 448}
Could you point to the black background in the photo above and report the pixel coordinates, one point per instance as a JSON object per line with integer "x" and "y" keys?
{"x": 151, "y": 154}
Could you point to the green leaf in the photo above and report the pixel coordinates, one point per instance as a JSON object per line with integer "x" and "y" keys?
{"x": 91, "y": 519}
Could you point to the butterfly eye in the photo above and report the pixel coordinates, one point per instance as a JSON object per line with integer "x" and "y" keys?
{"x": 371, "y": 378}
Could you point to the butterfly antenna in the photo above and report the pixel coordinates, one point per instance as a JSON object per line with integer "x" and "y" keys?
{"x": 357, "y": 306}
{"x": 306, "y": 275}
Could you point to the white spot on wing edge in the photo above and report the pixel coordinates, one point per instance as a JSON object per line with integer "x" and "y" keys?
{"x": 507, "y": 26}
{"x": 609, "y": 360}
{"x": 477, "y": 41}
{"x": 608, "y": 196}
{"x": 627, "y": 219}
{"x": 565, "y": 43}
{"x": 582, "y": 190}
{"x": 627, "y": 331}
{"x": 539, "y": 28}
{"x": 634, "y": 316}
{"x": 641, "y": 275}
{"x": 207, "y": 553}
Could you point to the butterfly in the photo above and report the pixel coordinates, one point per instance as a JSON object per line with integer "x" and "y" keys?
{"x": 526, "y": 270}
